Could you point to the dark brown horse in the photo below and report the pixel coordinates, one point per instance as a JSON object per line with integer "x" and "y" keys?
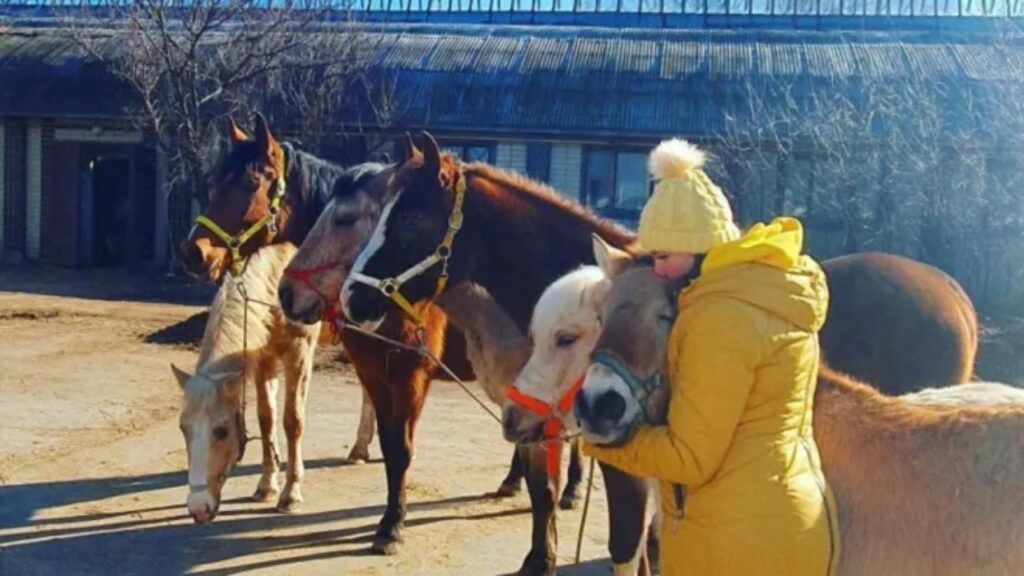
{"x": 515, "y": 237}
{"x": 242, "y": 197}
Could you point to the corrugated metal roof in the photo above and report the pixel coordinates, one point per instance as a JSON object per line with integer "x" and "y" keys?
{"x": 544, "y": 79}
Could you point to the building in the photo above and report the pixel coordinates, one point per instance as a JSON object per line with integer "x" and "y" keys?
{"x": 573, "y": 94}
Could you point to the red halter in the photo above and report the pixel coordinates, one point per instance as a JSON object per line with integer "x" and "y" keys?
{"x": 551, "y": 413}
{"x": 305, "y": 277}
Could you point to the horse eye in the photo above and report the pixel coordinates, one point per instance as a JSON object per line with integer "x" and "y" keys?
{"x": 566, "y": 340}
{"x": 345, "y": 220}
{"x": 667, "y": 317}
{"x": 220, "y": 432}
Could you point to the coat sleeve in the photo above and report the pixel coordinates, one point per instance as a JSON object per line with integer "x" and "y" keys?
{"x": 718, "y": 356}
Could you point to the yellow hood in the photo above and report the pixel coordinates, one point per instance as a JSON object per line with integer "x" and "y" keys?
{"x": 765, "y": 268}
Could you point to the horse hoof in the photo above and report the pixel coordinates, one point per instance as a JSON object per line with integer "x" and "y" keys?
{"x": 384, "y": 547}
{"x": 289, "y": 504}
{"x": 508, "y": 489}
{"x": 532, "y": 568}
{"x": 358, "y": 455}
{"x": 266, "y": 494}
{"x": 569, "y": 501}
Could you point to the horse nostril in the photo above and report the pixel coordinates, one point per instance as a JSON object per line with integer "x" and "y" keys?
{"x": 287, "y": 296}
{"x": 581, "y": 408}
{"x": 610, "y": 406}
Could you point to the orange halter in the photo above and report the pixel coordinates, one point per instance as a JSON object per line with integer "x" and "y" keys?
{"x": 552, "y": 415}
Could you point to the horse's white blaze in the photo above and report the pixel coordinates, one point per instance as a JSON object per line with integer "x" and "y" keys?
{"x": 198, "y": 459}
{"x": 372, "y": 246}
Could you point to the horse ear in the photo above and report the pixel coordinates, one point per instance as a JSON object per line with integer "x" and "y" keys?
{"x": 180, "y": 375}
{"x": 264, "y": 139}
{"x": 431, "y": 154}
{"x": 411, "y": 150}
{"x": 611, "y": 260}
{"x": 235, "y": 133}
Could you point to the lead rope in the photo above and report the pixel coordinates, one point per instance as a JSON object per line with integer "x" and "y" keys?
{"x": 422, "y": 350}
{"x": 240, "y": 285}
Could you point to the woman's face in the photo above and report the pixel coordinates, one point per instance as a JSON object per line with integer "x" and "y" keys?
{"x": 673, "y": 265}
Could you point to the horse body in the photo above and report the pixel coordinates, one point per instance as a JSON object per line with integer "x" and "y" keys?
{"x": 921, "y": 489}
{"x": 922, "y": 304}
{"x": 505, "y": 243}
{"x": 239, "y": 345}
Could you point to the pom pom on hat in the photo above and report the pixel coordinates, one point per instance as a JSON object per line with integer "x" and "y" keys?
{"x": 673, "y": 158}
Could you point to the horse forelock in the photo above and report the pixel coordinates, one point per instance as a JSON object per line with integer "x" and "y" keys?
{"x": 563, "y": 298}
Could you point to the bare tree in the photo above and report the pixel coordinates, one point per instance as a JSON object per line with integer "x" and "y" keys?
{"x": 930, "y": 168}
{"x": 194, "y": 63}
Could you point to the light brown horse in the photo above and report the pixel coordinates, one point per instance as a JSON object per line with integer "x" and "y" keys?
{"x": 242, "y": 199}
{"x": 241, "y": 345}
{"x": 516, "y": 237}
{"x": 921, "y": 490}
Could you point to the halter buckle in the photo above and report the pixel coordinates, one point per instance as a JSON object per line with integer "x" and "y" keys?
{"x": 389, "y": 287}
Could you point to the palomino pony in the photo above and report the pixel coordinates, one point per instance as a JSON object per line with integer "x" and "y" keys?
{"x": 515, "y": 237}
{"x": 267, "y": 193}
{"x": 240, "y": 345}
{"x": 921, "y": 490}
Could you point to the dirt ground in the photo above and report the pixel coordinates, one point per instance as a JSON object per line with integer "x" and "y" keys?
{"x": 92, "y": 465}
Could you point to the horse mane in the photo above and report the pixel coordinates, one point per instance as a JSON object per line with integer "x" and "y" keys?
{"x": 316, "y": 175}
{"x": 352, "y": 178}
{"x": 541, "y": 195}
{"x": 226, "y": 334}
{"x": 863, "y": 405}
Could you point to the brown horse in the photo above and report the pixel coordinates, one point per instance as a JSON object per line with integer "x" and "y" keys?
{"x": 242, "y": 199}
{"x": 515, "y": 237}
{"x": 882, "y": 300}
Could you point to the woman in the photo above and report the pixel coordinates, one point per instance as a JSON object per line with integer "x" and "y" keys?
{"x": 742, "y": 363}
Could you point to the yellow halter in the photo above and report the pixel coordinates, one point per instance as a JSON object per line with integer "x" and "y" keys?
{"x": 234, "y": 243}
{"x": 389, "y": 287}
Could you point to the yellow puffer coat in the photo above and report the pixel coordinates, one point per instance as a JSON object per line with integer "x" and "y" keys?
{"x": 743, "y": 364}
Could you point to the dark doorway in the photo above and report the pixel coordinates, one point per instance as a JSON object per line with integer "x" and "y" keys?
{"x": 110, "y": 187}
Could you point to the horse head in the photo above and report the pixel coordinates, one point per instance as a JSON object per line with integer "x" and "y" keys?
{"x": 312, "y": 282}
{"x": 213, "y": 423}
{"x": 413, "y": 252}
{"x": 246, "y": 209}
{"x": 623, "y": 384}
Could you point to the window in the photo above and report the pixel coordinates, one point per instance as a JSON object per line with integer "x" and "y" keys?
{"x": 538, "y": 161}
{"x": 615, "y": 182}
{"x": 471, "y": 152}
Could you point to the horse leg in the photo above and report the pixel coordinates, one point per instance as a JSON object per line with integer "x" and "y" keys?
{"x": 513, "y": 483}
{"x": 298, "y": 372}
{"x": 627, "y": 521}
{"x": 571, "y": 495}
{"x": 266, "y": 398}
{"x": 542, "y": 557}
{"x": 397, "y": 439}
{"x": 364, "y": 434}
